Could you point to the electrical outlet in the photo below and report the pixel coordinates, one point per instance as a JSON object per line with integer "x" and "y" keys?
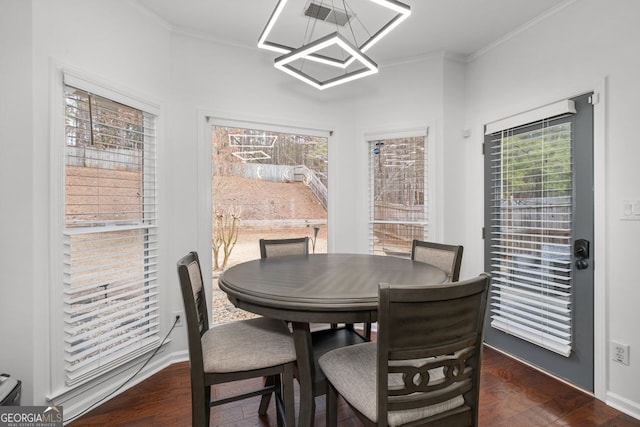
{"x": 620, "y": 352}
{"x": 180, "y": 316}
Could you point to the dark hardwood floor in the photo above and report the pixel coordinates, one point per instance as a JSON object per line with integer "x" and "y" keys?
{"x": 512, "y": 395}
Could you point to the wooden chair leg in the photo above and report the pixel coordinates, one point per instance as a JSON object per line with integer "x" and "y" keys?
{"x": 288, "y": 396}
{"x": 277, "y": 383}
{"x": 266, "y": 398}
{"x": 332, "y": 405}
{"x": 201, "y": 406}
{"x": 367, "y": 331}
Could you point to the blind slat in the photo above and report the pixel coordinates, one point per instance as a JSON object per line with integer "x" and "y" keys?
{"x": 562, "y": 347}
{"x": 98, "y": 299}
{"x": 549, "y": 265}
{"x": 509, "y": 284}
{"x": 561, "y": 321}
{"x": 558, "y": 329}
{"x": 536, "y": 269}
{"x": 111, "y": 357}
{"x": 534, "y": 299}
{"x": 135, "y": 349}
{"x": 105, "y": 335}
{"x": 534, "y": 273}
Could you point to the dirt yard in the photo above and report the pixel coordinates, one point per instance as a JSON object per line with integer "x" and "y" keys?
{"x": 268, "y": 210}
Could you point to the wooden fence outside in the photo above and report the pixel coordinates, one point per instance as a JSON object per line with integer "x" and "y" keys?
{"x": 284, "y": 173}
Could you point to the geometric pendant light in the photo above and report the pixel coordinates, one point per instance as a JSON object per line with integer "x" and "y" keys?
{"x": 322, "y": 51}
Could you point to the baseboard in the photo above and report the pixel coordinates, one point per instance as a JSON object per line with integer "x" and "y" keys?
{"x": 542, "y": 371}
{"x": 623, "y": 404}
{"x": 113, "y": 385}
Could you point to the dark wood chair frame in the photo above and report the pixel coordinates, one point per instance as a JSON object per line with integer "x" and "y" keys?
{"x": 457, "y": 255}
{"x": 443, "y": 322}
{"x": 278, "y": 379}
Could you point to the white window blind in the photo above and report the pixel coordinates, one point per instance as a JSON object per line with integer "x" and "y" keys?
{"x": 531, "y": 233}
{"x": 110, "y": 236}
{"x": 398, "y": 194}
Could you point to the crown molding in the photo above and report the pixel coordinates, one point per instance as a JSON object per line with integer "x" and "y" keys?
{"x": 524, "y": 27}
{"x": 431, "y": 56}
{"x": 135, "y": 4}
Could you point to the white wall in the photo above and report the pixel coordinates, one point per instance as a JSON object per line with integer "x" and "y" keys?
{"x": 567, "y": 54}
{"x": 454, "y": 174}
{"x": 16, "y": 194}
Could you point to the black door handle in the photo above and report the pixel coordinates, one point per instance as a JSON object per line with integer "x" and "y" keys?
{"x": 581, "y": 252}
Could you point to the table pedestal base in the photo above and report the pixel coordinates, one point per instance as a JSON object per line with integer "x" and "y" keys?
{"x": 309, "y": 347}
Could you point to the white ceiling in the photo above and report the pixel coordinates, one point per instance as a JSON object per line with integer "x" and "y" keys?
{"x": 458, "y": 27}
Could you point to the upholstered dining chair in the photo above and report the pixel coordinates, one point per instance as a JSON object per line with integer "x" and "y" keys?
{"x": 424, "y": 368}
{"x": 282, "y": 247}
{"x": 448, "y": 258}
{"x": 239, "y": 350}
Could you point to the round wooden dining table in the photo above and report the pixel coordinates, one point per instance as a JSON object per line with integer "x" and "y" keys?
{"x": 320, "y": 288}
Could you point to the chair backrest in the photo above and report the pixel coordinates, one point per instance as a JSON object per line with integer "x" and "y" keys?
{"x": 282, "y": 247}
{"x": 448, "y": 258}
{"x": 429, "y": 346}
{"x": 195, "y": 308}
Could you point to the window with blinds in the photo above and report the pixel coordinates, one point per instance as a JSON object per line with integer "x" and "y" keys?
{"x": 110, "y": 237}
{"x": 397, "y": 194}
{"x": 531, "y": 233}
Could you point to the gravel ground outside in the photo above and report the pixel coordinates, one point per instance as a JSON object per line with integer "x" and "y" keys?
{"x": 247, "y": 248}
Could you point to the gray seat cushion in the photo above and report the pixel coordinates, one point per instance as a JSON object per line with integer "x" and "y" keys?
{"x": 352, "y": 370}
{"x": 247, "y": 344}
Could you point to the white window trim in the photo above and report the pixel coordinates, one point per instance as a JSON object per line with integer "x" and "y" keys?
{"x": 209, "y": 118}
{"x": 62, "y": 74}
{"x": 432, "y": 151}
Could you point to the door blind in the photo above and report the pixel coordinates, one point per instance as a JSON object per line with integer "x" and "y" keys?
{"x": 531, "y": 233}
{"x": 110, "y": 237}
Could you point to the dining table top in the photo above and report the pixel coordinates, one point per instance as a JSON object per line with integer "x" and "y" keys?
{"x": 320, "y": 283}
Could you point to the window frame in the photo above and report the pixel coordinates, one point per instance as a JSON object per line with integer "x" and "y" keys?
{"x": 214, "y": 123}
{"x": 62, "y": 75}
{"x": 431, "y": 184}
